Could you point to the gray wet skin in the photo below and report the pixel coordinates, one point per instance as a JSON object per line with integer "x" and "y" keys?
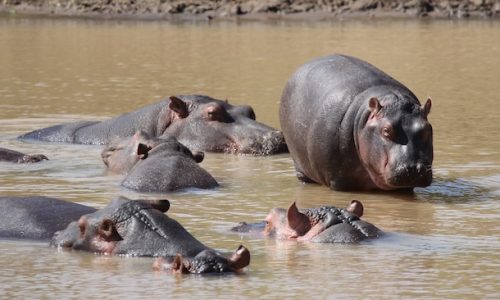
{"x": 350, "y": 126}
{"x": 36, "y": 217}
{"x": 325, "y": 224}
{"x": 199, "y": 122}
{"x": 18, "y": 157}
{"x": 140, "y": 228}
{"x": 156, "y": 164}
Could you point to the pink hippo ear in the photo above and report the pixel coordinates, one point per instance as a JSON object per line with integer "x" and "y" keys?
{"x": 240, "y": 258}
{"x": 374, "y": 105}
{"x": 178, "y": 266}
{"x": 427, "y": 107}
{"x": 179, "y": 107}
{"x": 298, "y": 221}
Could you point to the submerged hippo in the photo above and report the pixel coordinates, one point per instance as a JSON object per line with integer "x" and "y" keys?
{"x": 349, "y": 125}
{"x": 156, "y": 164}
{"x": 325, "y": 224}
{"x": 124, "y": 227}
{"x": 199, "y": 122}
{"x": 18, "y": 157}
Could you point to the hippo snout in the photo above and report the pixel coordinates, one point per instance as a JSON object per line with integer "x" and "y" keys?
{"x": 273, "y": 142}
{"x": 418, "y": 175}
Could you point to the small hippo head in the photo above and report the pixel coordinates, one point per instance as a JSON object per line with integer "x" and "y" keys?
{"x": 121, "y": 155}
{"x": 207, "y": 261}
{"x": 325, "y": 224}
{"x": 207, "y": 124}
{"x": 395, "y": 143}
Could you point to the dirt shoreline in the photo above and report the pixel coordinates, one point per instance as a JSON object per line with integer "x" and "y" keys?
{"x": 309, "y": 10}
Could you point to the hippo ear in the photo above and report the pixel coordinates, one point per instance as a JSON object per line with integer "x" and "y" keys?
{"x": 427, "y": 107}
{"x": 198, "y": 156}
{"x": 356, "y": 208}
{"x": 374, "y": 105}
{"x": 107, "y": 230}
{"x": 179, "y": 107}
{"x": 143, "y": 150}
{"x": 178, "y": 266}
{"x": 161, "y": 205}
{"x": 240, "y": 258}
{"x": 297, "y": 220}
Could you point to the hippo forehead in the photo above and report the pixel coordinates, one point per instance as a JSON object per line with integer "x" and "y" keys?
{"x": 331, "y": 214}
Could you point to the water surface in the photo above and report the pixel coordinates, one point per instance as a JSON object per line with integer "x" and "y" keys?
{"x": 442, "y": 242}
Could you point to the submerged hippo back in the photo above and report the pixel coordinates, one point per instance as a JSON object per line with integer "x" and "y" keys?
{"x": 37, "y": 217}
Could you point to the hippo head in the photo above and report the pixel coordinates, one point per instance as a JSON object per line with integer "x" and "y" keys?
{"x": 325, "y": 224}
{"x": 207, "y": 261}
{"x": 207, "y": 124}
{"x": 140, "y": 228}
{"x": 395, "y": 143}
{"x": 121, "y": 155}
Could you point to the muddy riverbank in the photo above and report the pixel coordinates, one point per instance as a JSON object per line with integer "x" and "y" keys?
{"x": 254, "y": 9}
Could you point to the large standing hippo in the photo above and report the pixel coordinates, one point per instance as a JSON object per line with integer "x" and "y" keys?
{"x": 348, "y": 125}
{"x": 18, "y": 157}
{"x": 325, "y": 224}
{"x": 124, "y": 227}
{"x": 199, "y": 122}
{"x": 156, "y": 164}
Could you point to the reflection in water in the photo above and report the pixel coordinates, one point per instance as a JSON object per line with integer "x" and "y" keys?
{"x": 441, "y": 241}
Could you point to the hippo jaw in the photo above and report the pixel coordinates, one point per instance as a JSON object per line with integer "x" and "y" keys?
{"x": 395, "y": 148}
{"x": 207, "y": 261}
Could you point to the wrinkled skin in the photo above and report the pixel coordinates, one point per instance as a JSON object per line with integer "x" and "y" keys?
{"x": 18, "y": 157}
{"x": 36, "y": 217}
{"x": 139, "y": 228}
{"x": 156, "y": 164}
{"x": 199, "y": 122}
{"x": 326, "y": 224}
{"x": 350, "y": 126}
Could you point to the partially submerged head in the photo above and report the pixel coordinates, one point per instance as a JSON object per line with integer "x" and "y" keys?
{"x": 208, "y": 124}
{"x": 141, "y": 228}
{"x": 121, "y": 155}
{"x": 395, "y": 143}
{"x": 321, "y": 224}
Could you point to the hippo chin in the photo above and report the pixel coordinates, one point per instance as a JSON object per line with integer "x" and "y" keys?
{"x": 325, "y": 224}
{"x": 18, "y": 157}
{"x": 156, "y": 164}
{"x": 199, "y": 122}
{"x": 140, "y": 228}
{"x": 349, "y": 125}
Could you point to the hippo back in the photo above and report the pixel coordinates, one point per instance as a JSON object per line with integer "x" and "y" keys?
{"x": 37, "y": 217}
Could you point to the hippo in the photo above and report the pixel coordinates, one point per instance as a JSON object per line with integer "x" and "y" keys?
{"x": 123, "y": 227}
{"x": 156, "y": 164}
{"x": 37, "y": 217}
{"x": 325, "y": 224}
{"x": 18, "y": 157}
{"x": 350, "y": 126}
{"x": 199, "y": 122}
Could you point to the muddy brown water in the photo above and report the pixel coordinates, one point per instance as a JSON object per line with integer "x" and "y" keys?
{"x": 441, "y": 242}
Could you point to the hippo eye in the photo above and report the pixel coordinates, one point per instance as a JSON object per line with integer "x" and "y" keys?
{"x": 218, "y": 113}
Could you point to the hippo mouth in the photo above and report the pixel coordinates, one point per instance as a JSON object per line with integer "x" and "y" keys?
{"x": 270, "y": 143}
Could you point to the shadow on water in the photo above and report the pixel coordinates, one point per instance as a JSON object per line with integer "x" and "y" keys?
{"x": 459, "y": 190}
